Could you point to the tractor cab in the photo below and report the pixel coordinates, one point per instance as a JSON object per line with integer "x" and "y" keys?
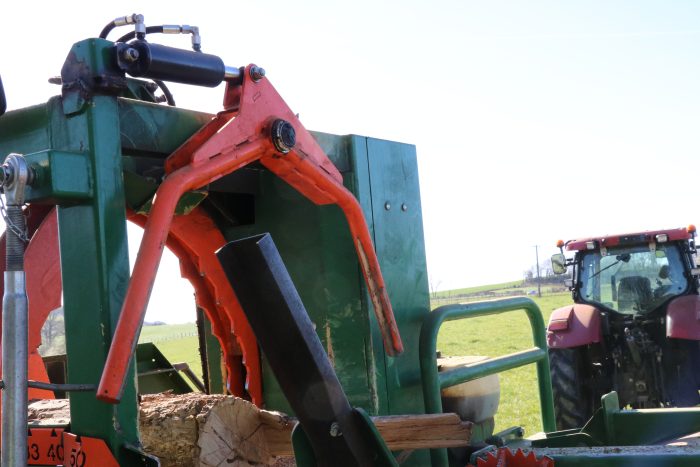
{"x": 633, "y": 327}
{"x": 633, "y": 274}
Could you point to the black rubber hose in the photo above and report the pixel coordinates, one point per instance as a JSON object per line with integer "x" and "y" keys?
{"x": 107, "y": 29}
{"x": 15, "y": 244}
{"x": 166, "y": 92}
{"x": 149, "y": 30}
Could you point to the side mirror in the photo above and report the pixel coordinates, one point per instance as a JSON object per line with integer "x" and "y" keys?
{"x": 559, "y": 263}
{"x": 3, "y": 102}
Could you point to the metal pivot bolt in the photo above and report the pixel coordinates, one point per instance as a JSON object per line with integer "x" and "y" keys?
{"x": 130, "y": 55}
{"x": 283, "y": 136}
{"x": 335, "y": 430}
{"x": 15, "y": 175}
{"x": 257, "y": 73}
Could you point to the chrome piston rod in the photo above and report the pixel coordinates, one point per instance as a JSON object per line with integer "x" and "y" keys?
{"x": 15, "y": 325}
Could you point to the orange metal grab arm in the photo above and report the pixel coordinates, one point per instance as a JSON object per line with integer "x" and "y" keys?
{"x": 261, "y": 127}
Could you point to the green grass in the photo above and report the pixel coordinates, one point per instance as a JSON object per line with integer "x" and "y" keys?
{"x": 178, "y": 342}
{"x": 498, "y": 335}
{"x": 167, "y": 332}
{"x": 477, "y": 289}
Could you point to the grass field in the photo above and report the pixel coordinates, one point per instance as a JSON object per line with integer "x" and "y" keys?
{"x": 178, "y": 342}
{"x": 489, "y": 336}
{"x": 498, "y": 335}
{"x": 477, "y": 289}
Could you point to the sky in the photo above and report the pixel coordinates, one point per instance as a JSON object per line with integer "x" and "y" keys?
{"x": 533, "y": 121}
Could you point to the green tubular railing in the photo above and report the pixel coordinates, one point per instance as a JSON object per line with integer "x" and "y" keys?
{"x": 434, "y": 382}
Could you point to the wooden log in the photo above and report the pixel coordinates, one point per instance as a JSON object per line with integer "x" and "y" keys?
{"x": 212, "y": 430}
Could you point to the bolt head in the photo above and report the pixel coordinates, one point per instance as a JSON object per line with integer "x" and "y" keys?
{"x": 130, "y": 55}
{"x": 387, "y": 205}
{"x": 283, "y": 136}
{"x": 6, "y": 174}
{"x": 257, "y": 73}
{"x": 335, "y": 430}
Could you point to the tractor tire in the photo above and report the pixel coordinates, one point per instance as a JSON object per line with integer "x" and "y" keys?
{"x": 681, "y": 372}
{"x": 572, "y": 402}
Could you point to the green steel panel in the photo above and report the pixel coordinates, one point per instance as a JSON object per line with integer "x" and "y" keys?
{"x": 60, "y": 176}
{"x": 156, "y": 130}
{"x": 94, "y": 258}
{"x": 217, "y": 385}
{"x": 398, "y": 236}
{"x": 315, "y": 244}
{"x": 320, "y": 258}
{"x": 156, "y": 373}
{"x": 398, "y": 239}
{"x": 358, "y": 181}
{"x": 27, "y": 130}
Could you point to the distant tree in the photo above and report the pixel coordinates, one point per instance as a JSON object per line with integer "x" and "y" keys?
{"x": 547, "y": 275}
{"x": 546, "y": 268}
{"x": 53, "y": 334}
{"x": 434, "y": 284}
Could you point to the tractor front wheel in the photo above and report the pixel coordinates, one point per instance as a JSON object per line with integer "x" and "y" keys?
{"x": 572, "y": 399}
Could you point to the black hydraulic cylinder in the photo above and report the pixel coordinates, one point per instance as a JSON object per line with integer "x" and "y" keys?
{"x": 294, "y": 352}
{"x": 160, "y": 62}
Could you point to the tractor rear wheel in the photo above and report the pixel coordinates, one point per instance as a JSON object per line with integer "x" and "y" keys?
{"x": 572, "y": 399}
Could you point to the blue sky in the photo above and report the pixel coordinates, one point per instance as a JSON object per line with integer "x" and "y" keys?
{"x": 533, "y": 121}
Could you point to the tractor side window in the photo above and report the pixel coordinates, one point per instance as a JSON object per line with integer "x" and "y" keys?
{"x": 671, "y": 280}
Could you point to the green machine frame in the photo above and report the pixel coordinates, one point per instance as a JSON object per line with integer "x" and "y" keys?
{"x": 87, "y": 150}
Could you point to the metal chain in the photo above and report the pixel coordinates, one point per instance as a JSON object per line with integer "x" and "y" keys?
{"x": 21, "y": 234}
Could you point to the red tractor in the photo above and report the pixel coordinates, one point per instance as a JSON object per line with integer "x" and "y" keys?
{"x": 634, "y": 326}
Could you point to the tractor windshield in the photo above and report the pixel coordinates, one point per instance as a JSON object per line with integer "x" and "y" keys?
{"x": 632, "y": 280}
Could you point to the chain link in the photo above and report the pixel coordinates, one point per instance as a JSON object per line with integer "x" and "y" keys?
{"x": 21, "y": 234}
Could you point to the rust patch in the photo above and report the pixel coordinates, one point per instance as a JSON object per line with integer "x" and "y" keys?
{"x": 329, "y": 344}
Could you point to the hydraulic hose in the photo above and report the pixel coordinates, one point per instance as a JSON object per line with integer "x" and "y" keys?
{"x": 132, "y": 34}
{"x": 107, "y": 29}
{"x": 166, "y": 92}
{"x": 123, "y": 21}
{"x": 168, "y": 29}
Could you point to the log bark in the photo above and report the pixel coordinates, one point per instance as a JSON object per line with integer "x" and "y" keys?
{"x": 198, "y": 430}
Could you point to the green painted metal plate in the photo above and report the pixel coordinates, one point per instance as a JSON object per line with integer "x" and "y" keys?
{"x": 315, "y": 243}
{"x": 156, "y": 374}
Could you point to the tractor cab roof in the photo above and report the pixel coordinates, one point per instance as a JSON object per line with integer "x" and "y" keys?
{"x": 635, "y": 238}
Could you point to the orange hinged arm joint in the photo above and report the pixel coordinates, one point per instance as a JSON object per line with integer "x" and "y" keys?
{"x": 257, "y": 126}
